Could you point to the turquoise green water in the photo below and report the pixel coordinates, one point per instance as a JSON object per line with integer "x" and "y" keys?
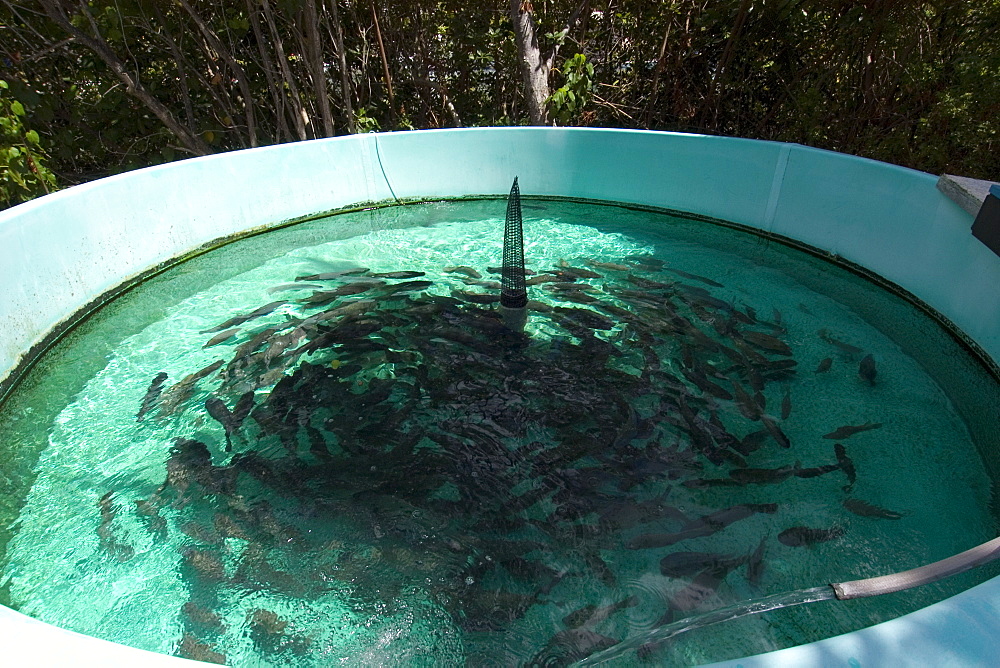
{"x": 398, "y": 481}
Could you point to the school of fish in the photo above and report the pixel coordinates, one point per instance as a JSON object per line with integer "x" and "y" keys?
{"x": 378, "y": 428}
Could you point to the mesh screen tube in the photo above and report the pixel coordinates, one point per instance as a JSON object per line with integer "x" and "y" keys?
{"x": 513, "y": 293}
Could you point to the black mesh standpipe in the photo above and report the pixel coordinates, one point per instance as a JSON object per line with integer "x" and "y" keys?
{"x": 513, "y": 293}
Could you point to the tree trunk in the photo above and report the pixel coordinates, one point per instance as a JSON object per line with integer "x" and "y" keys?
{"x": 240, "y": 74}
{"x": 345, "y": 81}
{"x": 316, "y": 69}
{"x": 299, "y": 115}
{"x": 534, "y": 67}
{"x": 385, "y": 66}
{"x": 267, "y": 65}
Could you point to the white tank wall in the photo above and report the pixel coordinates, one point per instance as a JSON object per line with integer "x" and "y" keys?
{"x": 61, "y": 251}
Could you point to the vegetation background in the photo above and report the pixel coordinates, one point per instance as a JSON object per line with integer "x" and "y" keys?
{"x": 94, "y": 87}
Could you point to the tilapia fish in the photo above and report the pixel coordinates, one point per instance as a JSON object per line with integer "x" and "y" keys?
{"x": 865, "y": 509}
{"x": 848, "y": 430}
{"x": 802, "y": 536}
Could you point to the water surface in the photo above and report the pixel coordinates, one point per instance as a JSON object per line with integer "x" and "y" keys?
{"x": 286, "y": 452}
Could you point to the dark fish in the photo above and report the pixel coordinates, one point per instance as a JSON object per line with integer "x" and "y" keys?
{"x": 701, "y": 483}
{"x": 786, "y": 405}
{"x": 846, "y": 347}
{"x": 848, "y": 430}
{"x": 400, "y": 274}
{"x": 694, "y": 594}
{"x": 775, "y": 431}
{"x": 191, "y": 648}
{"x": 266, "y": 629}
{"x": 578, "y": 296}
{"x": 767, "y": 342}
{"x": 230, "y": 420}
{"x": 817, "y": 471}
{"x": 405, "y": 286}
{"x": 703, "y": 526}
{"x": 752, "y": 355}
{"x": 565, "y": 287}
{"x": 200, "y": 533}
{"x": 491, "y": 610}
{"x": 608, "y": 265}
{"x": 763, "y": 476}
{"x": 467, "y": 271}
{"x": 600, "y": 568}
{"x": 182, "y": 390}
{"x": 745, "y": 402}
{"x": 694, "y": 277}
{"x": 705, "y": 298}
{"x": 686, "y": 564}
{"x": 646, "y": 261}
{"x": 824, "y": 365}
{"x": 624, "y": 514}
{"x": 221, "y": 336}
{"x": 329, "y": 276}
{"x": 291, "y": 286}
{"x": 475, "y": 297}
{"x": 751, "y": 442}
{"x": 350, "y": 309}
{"x": 347, "y": 289}
{"x": 705, "y": 385}
{"x": 253, "y": 344}
{"x": 105, "y": 532}
{"x": 591, "y": 615}
{"x": 205, "y": 564}
{"x": 577, "y": 272}
{"x": 866, "y": 369}
{"x": 617, "y": 311}
{"x": 202, "y": 617}
{"x": 543, "y": 278}
{"x": 864, "y": 509}
{"x": 802, "y": 536}
{"x": 152, "y": 395}
{"x": 846, "y": 465}
{"x": 489, "y": 285}
{"x": 585, "y": 317}
{"x": 755, "y": 564}
{"x": 227, "y": 527}
{"x": 240, "y": 319}
{"x": 149, "y": 512}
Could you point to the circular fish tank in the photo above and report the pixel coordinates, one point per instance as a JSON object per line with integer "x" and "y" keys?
{"x": 262, "y": 408}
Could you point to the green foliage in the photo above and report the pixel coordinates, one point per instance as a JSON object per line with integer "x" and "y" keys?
{"x": 363, "y": 122}
{"x": 23, "y": 174}
{"x": 568, "y": 100}
{"x": 909, "y": 81}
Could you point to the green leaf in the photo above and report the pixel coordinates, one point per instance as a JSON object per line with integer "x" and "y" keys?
{"x": 17, "y": 108}
{"x": 3, "y": 84}
{"x": 32, "y": 137}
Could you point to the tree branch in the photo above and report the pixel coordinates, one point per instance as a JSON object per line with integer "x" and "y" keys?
{"x": 133, "y": 86}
